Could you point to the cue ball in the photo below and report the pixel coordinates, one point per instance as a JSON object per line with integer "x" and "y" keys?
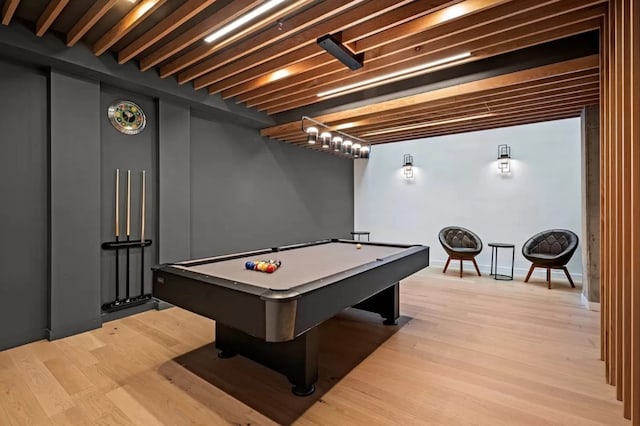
{"x": 358, "y": 246}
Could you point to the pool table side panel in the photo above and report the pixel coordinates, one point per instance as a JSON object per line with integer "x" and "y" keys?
{"x": 327, "y": 301}
{"x": 243, "y": 310}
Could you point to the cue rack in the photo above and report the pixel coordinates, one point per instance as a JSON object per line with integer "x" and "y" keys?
{"x": 127, "y": 300}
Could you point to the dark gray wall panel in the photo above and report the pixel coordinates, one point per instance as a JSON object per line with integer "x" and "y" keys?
{"x": 174, "y": 217}
{"x": 135, "y": 153}
{"x": 75, "y": 205}
{"x": 18, "y": 41}
{"x": 248, "y": 192}
{"x": 23, "y": 209}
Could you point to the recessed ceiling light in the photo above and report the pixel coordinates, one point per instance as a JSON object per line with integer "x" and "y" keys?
{"x": 277, "y": 75}
{"x": 242, "y": 20}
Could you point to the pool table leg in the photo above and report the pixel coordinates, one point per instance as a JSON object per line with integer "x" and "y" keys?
{"x": 386, "y": 303}
{"x": 297, "y": 359}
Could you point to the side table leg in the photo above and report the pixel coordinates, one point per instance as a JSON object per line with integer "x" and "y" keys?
{"x": 491, "y": 273}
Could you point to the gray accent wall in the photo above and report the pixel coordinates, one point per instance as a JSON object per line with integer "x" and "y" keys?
{"x": 75, "y": 205}
{"x": 135, "y": 153}
{"x": 248, "y": 192}
{"x": 213, "y": 185}
{"x": 174, "y": 198}
{"x": 23, "y": 205}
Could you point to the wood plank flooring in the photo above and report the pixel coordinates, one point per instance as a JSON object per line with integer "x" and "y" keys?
{"x": 466, "y": 351}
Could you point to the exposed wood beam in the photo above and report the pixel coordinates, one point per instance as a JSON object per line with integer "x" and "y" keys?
{"x": 198, "y": 32}
{"x": 500, "y": 110}
{"x": 500, "y": 115}
{"x": 499, "y": 118}
{"x": 560, "y": 68}
{"x": 178, "y": 17}
{"x": 492, "y": 21}
{"x": 541, "y": 87}
{"x": 309, "y": 57}
{"x": 481, "y": 48}
{"x": 361, "y": 13}
{"x": 441, "y": 17}
{"x": 126, "y": 24}
{"x": 205, "y": 50}
{"x": 49, "y": 15}
{"x": 487, "y": 126}
{"x": 8, "y": 9}
{"x": 88, "y": 20}
{"x": 485, "y": 99}
{"x": 529, "y": 14}
{"x": 559, "y": 98}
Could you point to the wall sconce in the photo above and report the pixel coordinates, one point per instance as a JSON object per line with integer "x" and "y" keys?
{"x": 337, "y": 140}
{"x": 504, "y": 158}
{"x": 407, "y": 163}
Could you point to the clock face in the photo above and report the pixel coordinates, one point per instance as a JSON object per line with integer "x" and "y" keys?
{"x": 127, "y": 117}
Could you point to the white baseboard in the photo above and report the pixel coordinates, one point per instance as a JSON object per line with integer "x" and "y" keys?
{"x": 592, "y": 306}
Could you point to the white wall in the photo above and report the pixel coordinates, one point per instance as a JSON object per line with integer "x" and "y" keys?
{"x": 457, "y": 183}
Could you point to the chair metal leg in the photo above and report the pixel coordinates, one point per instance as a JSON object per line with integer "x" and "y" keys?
{"x": 566, "y": 272}
{"x": 526, "y": 280}
{"x": 446, "y": 265}
{"x": 476, "y": 265}
{"x": 460, "y": 268}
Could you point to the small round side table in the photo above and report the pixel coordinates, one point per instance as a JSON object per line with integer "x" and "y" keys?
{"x": 494, "y": 263}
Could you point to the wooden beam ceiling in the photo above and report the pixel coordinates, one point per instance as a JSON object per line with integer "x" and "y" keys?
{"x": 143, "y": 10}
{"x": 88, "y": 20}
{"x": 274, "y": 64}
{"x": 559, "y": 88}
{"x": 8, "y": 9}
{"x": 49, "y": 15}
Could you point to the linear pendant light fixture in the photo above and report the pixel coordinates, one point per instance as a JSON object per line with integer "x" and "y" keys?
{"x": 334, "y": 139}
{"x": 423, "y": 125}
{"x": 363, "y": 84}
{"x": 242, "y": 20}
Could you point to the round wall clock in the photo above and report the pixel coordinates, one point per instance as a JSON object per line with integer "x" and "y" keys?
{"x": 127, "y": 117}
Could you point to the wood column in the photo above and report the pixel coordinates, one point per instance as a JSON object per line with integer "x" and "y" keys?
{"x": 620, "y": 202}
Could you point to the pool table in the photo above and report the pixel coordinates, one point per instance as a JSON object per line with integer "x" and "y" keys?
{"x": 271, "y": 318}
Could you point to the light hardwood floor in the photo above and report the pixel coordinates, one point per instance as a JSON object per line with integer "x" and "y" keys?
{"x": 467, "y": 351}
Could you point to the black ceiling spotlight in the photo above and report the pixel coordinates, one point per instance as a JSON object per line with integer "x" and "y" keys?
{"x": 332, "y": 43}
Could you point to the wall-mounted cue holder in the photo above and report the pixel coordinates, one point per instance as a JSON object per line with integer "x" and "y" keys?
{"x": 128, "y": 244}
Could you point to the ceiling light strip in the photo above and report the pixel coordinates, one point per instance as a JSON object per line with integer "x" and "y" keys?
{"x": 410, "y": 70}
{"x": 242, "y": 20}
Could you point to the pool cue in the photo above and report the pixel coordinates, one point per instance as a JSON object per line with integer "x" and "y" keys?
{"x": 117, "y": 234}
{"x": 128, "y": 226}
{"x": 142, "y": 233}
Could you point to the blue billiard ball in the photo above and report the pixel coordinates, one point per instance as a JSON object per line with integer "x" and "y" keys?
{"x": 249, "y": 265}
